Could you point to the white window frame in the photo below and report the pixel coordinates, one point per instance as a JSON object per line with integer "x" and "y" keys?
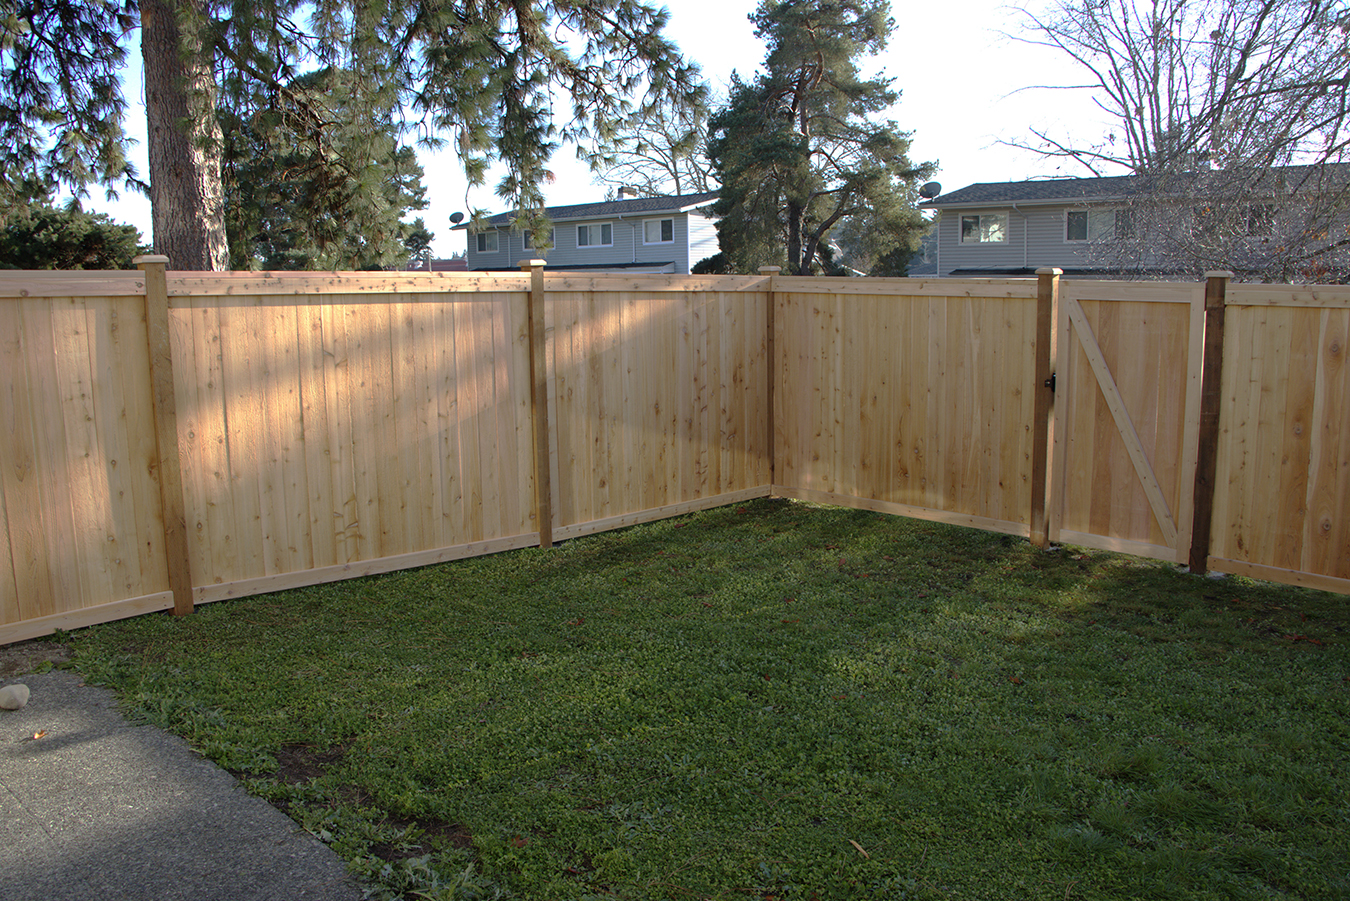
{"x": 481, "y": 240}
{"x": 1093, "y": 224}
{"x": 982, "y": 228}
{"x": 658, "y": 223}
{"x": 589, "y": 226}
{"x": 528, "y": 241}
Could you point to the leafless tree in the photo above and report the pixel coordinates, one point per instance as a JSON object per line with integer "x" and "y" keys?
{"x": 657, "y": 151}
{"x": 1228, "y": 82}
{"x": 1233, "y": 113}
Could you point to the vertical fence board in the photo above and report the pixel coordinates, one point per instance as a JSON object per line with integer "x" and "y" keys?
{"x": 317, "y": 430}
{"x": 1326, "y": 534}
{"x": 27, "y": 512}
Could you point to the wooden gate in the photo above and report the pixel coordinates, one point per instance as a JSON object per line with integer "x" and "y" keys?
{"x": 1126, "y": 416}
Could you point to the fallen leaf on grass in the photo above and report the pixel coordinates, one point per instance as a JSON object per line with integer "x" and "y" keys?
{"x": 865, "y": 855}
{"x": 1015, "y": 680}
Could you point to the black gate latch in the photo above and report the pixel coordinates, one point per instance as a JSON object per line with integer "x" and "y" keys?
{"x": 1050, "y": 383}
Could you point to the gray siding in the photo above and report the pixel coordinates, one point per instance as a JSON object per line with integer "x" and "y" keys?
{"x": 952, "y": 254}
{"x": 627, "y": 247}
{"x": 1036, "y": 238}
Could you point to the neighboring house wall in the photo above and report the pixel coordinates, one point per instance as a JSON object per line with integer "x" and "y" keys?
{"x": 954, "y": 254}
{"x": 635, "y": 240}
{"x": 702, "y": 239}
{"x": 1036, "y": 236}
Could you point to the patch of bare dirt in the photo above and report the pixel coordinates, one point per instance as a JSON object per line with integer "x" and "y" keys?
{"x": 26, "y": 656}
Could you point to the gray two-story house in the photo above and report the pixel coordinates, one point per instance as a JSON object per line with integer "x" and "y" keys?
{"x": 1014, "y": 228}
{"x": 1280, "y": 223}
{"x": 630, "y": 234}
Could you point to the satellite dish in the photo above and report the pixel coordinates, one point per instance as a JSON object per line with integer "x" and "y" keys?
{"x": 456, "y": 218}
{"x": 930, "y": 190}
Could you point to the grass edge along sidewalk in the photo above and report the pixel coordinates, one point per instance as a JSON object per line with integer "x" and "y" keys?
{"x": 779, "y": 701}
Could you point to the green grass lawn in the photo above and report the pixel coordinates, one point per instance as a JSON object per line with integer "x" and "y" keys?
{"x": 779, "y": 701}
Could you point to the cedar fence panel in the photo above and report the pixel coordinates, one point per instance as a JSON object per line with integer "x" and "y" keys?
{"x": 1127, "y": 413}
{"x": 326, "y": 429}
{"x": 658, "y": 395}
{"x": 83, "y": 535}
{"x": 337, "y": 425}
{"x": 907, "y": 396}
{"x": 1283, "y": 460}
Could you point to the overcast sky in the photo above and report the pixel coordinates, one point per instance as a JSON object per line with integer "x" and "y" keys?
{"x": 957, "y": 73}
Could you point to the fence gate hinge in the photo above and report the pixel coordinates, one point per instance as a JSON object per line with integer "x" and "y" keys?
{"x": 1050, "y": 383}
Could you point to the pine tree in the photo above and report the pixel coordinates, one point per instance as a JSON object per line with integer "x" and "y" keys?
{"x": 480, "y": 73}
{"x": 305, "y": 194}
{"x": 800, "y": 150}
{"x": 43, "y": 236}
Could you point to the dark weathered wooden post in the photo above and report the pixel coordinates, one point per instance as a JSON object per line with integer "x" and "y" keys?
{"x": 1211, "y": 387}
{"x": 1047, "y": 296}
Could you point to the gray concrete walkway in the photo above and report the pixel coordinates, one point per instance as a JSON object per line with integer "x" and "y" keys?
{"x": 97, "y": 808}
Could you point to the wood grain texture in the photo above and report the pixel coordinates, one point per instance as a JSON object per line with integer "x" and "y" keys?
{"x": 921, "y": 401}
{"x": 1283, "y": 458}
{"x": 329, "y": 425}
{"x": 1125, "y": 394}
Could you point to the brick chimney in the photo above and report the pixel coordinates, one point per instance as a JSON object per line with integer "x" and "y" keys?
{"x": 627, "y": 193}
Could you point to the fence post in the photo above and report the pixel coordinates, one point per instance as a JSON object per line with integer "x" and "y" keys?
{"x": 771, "y": 369}
{"x": 1047, "y": 298}
{"x": 168, "y": 468}
{"x": 1211, "y": 387}
{"x": 543, "y": 490}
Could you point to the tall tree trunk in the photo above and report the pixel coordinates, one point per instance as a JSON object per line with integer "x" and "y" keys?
{"x": 794, "y": 239}
{"x": 186, "y": 197}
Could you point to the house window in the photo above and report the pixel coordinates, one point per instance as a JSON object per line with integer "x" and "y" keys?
{"x": 986, "y": 228}
{"x": 601, "y": 235}
{"x": 487, "y": 242}
{"x": 529, "y": 240}
{"x": 658, "y": 231}
{"x": 1096, "y": 225}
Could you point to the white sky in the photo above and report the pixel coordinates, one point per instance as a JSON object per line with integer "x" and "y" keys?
{"x": 957, "y": 74}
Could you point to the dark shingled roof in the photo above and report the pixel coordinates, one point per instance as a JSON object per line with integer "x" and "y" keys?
{"x": 1051, "y": 190}
{"x": 1122, "y": 187}
{"x": 606, "y": 208}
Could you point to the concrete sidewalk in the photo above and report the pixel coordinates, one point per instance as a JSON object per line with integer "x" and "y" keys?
{"x": 97, "y": 808}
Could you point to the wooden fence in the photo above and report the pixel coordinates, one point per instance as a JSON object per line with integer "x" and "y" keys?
{"x": 172, "y": 439}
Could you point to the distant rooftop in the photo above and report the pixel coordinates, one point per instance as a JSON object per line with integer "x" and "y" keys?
{"x": 605, "y": 208}
{"x": 1112, "y": 188}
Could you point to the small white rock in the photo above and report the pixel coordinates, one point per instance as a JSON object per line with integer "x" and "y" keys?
{"x": 12, "y": 697}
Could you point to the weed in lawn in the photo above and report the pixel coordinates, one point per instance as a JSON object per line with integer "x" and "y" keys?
{"x": 740, "y": 703}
